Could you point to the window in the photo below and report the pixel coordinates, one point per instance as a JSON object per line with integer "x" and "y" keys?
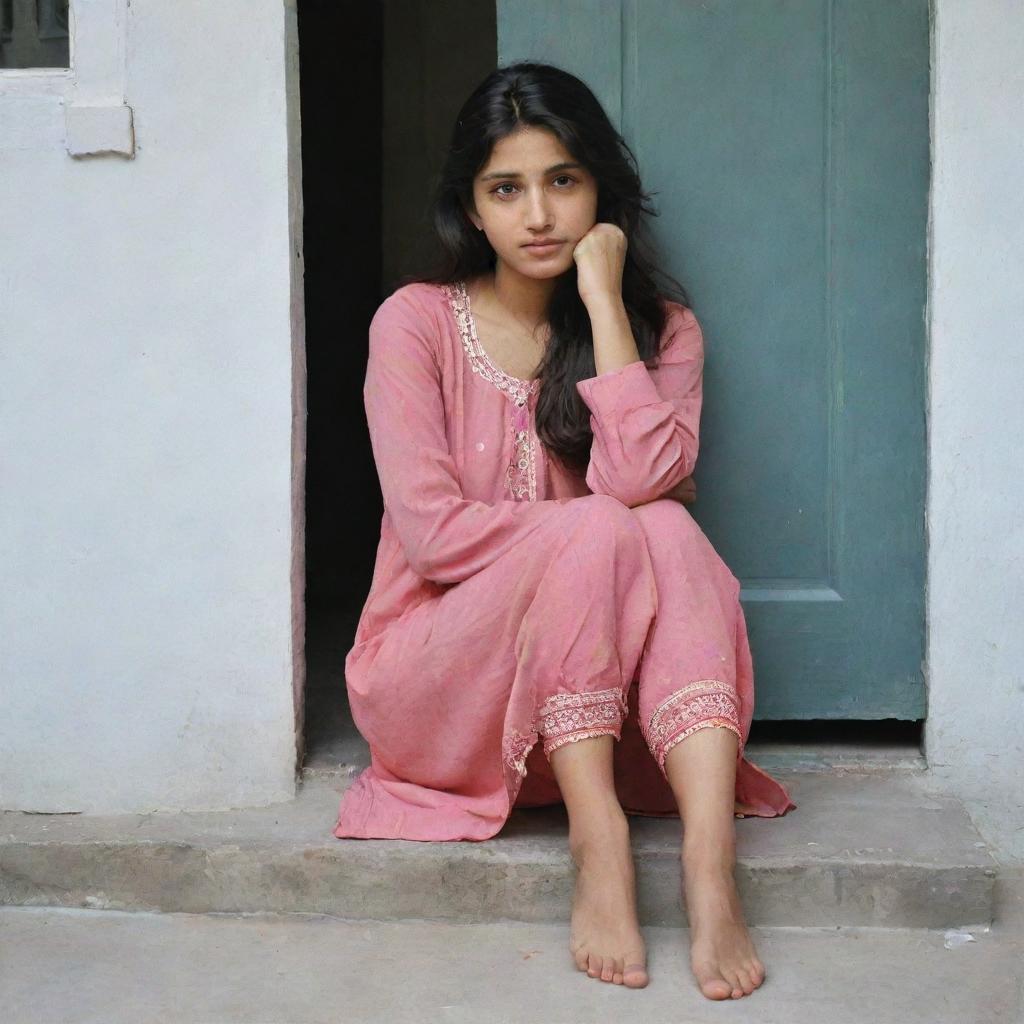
{"x": 34, "y": 34}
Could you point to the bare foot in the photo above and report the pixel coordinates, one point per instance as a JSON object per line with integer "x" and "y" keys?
{"x": 722, "y": 954}
{"x": 604, "y": 936}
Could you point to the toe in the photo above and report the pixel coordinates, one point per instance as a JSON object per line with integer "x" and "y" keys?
{"x": 582, "y": 959}
{"x": 608, "y": 969}
{"x": 617, "y": 971}
{"x": 594, "y": 970}
{"x": 713, "y": 985}
{"x": 745, "y": 981}
{"x": 716, "y": 988}
{"x": 634, "y": 975}
{"x": 732, "y": 979}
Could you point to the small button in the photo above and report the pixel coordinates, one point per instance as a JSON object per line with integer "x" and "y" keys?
{"x": 479, "y": 446}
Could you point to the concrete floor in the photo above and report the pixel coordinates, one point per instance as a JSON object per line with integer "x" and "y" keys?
{"x": 74, "y": 966}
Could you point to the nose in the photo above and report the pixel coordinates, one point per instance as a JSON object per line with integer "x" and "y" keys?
{"x": 538, "y": 216}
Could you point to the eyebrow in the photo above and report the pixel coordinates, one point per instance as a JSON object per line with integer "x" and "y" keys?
{"x": 566, "y": 165}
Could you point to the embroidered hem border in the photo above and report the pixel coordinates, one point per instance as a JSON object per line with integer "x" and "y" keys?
{"x": 698, "y": 705}
{"x": 566, "y": 718}
{"x": 569, "y": 717}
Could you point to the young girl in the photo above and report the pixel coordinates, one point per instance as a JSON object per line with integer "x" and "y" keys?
{"x": 533, "y": 411}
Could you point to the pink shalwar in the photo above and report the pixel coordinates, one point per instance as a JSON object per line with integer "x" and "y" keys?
{"x": 513, "y": 602}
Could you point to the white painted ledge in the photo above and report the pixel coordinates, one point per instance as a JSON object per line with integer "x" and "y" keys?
{"x": 94, "y": 130}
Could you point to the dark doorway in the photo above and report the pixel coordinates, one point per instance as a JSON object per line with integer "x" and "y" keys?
{"x": 380, "y": 85}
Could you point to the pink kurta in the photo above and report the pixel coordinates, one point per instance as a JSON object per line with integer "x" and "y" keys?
{"x": 515, "y": 607}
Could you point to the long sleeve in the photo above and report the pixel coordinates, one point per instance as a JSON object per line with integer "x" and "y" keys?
{"x": 646, "y": 421}
{"x": 445, "y": 536}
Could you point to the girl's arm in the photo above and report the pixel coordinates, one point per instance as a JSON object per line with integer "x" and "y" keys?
{"x": 445, "y": 537}
{"x": 646, "y": 421}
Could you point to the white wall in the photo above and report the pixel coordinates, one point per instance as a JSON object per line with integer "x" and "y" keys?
{"x": 975, "y": 726}
{"x": 146, "y": 382}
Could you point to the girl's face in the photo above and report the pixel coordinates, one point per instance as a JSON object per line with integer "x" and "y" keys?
{"x": 532, "y": 188}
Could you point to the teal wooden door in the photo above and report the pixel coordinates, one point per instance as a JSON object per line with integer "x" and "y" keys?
{"x": 788, "y": 144}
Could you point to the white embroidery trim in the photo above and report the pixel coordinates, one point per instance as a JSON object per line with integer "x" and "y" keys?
{"x": 566, "y": 718}
{"x": 698, "y": 705}
{"x": 521, "y": 474}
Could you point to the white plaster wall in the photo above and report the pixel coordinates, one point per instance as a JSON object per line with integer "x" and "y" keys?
{"x": 146, "y": 418}
{"x": 975, "y": 726}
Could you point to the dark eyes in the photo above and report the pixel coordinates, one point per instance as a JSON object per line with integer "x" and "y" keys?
{"x": 509, "y": 184}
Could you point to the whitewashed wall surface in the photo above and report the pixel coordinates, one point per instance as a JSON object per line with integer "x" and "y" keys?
{"x": 146, "y": 380}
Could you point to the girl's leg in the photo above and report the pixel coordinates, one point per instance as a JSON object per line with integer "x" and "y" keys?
{"x": 605, "y": 937}
{"x": 693, "y": 716}
{"x": 702, "y": 772}
{"x": 577, "y": 649}
{"x": 544, "y": 641}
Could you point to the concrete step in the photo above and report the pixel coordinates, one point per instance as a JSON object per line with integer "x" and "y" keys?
{"x": 77, "y": 966}
{"x": 864, "y": 848}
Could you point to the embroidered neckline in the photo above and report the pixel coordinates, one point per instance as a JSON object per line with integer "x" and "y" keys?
{"x": 514, "y": 387}
{"x": 521, "y": 473}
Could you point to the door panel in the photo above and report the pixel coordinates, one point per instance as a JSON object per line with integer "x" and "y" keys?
{"x": 787, "y": 143}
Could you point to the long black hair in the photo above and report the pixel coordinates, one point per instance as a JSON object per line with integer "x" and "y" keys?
{"x": 528, "y": 93}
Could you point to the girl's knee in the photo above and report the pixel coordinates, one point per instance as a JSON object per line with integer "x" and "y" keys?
{"x": 668, "y": 525}
{"x": 665, "y": 514}
{"x": 603, "y": 514}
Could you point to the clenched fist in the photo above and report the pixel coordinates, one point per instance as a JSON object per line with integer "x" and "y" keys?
{"x": 600, "y": 256}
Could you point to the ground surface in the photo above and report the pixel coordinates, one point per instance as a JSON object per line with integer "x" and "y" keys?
{"x": 74, "y": 966}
